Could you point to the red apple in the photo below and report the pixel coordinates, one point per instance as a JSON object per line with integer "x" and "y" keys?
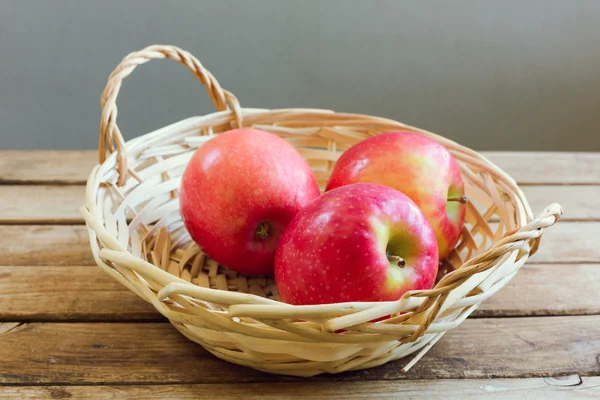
{"x": 417, "y": 166}
{"x": 361, "y": 242}
{"x": 239, "y": 192}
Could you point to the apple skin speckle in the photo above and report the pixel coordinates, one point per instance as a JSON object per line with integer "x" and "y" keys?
{"x": 345, "y": 260}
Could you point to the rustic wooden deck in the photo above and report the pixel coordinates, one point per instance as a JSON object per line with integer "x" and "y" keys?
{"x": 69, "y": 330}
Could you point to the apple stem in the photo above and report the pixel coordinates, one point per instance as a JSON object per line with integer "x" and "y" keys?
{"x": 263, "y": 230}
{"x": 460, "y": 199}
{"x": 399, "y": 260}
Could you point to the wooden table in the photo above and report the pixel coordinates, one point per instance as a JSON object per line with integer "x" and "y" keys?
{"x": 68, "y": 330}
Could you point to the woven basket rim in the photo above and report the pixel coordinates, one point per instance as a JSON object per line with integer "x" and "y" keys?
{"x": 524, "y": 207}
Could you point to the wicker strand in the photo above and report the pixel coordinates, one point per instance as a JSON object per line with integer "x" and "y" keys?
{"x": 110, "y": 135}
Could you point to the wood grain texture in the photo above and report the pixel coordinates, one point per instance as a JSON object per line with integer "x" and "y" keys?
{"x": 79, "y": 293}
{"x": 39, "y": 166}
{"x": 46, "y": 274}
{"x": 525, "y": 167}
{"x": 570, "y": 242}
{"x": 547, "y": 289}
{"x": 565, "y": 387}
{"x": 117, "y": 353}
{"x": 561, "y": 168}
{"x": 45, "y": 245}
{"x": 41, "y": 204}
{"x": 566, "y": 242}
{"x": 86, "y": 293}
{"x": 51, "y": 204}
{"x": 579, "y": 203}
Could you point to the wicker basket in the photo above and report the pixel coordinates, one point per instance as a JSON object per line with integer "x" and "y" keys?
{"x": 137, "y": 236}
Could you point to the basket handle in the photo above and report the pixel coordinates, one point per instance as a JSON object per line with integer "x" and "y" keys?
{"x": 110, "y": 135}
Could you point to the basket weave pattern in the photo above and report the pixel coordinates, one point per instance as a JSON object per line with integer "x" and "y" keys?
{"x": 138, "y": 237}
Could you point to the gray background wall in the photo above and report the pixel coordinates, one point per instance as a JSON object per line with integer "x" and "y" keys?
{"x": 503, "y": 75}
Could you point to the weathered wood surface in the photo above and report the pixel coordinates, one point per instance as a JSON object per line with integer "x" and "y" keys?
{"x": 541, "y": 168}
{"x": 547, "y": 289}
{"x": 69, "y": 330}
{"x": 525, "y": 167}
{"x": 144, "y": 353}
{"x": 41, "y": 204}
{"x": 566, "y": 242}
{"x": 86, "y": 293}
{"x": 74, "y": 293}
{"x": 19, "y": 166}
{"x": 564, "y": 387}
{"x": 54, "y": 204}
{"x": 45, "y": 245}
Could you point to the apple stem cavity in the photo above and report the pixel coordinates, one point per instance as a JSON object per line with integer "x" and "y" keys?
{"x": 398, "y": 260}
{"x": 263, "y": 230}
{"x": 460, "y": 199}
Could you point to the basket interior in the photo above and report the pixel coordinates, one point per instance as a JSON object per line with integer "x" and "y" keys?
{"x": 144, "y": 213}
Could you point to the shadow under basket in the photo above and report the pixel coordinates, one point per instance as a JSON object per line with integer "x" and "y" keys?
{"x": 137, "y": 236}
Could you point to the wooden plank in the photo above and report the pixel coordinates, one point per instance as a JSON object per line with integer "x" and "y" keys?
{"x": 570, "y": 242}
{"x": 565, "y": 387}
{"x": 68, "y": 293}
{"x": 41, "y": 204}
{"x": 566, "y": 242}
{"x": 44, "y": 245}
{"x": 47, "y": 204}
{"x": 579, "y": 203}
{"x": 559, "y": 168}
{"x": 18, "y": 166}
{"x": 89, "y": 294}
{"x": 547, "y": 289}
{"x": 534, "y": 291}
{"x": 130, "y": 353}
{"x": 525, "y": 167}
{"x": 71, "y": 353}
